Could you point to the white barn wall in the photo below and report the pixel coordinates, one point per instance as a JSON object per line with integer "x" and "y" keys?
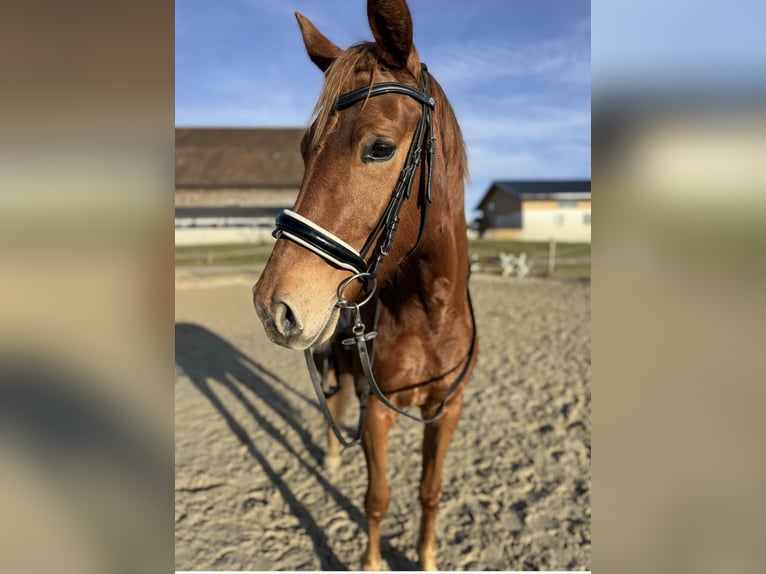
{"x": 222, "y": 235}
{"x": 541, "y": 224}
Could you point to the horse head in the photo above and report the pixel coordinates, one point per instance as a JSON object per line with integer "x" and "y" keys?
{"x": 355, "y": 152}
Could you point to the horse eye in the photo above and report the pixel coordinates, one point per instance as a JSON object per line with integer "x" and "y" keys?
{"x": 379, "y": 150}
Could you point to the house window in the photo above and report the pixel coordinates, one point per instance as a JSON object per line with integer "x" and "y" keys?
{"x": 558, "y": 219}
{"x": 586, "y": 218}
{"x": 490, "y": 206}
{"x": 568, "y": 203}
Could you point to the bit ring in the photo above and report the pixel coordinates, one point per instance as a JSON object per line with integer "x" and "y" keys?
{"x": 343, "y": 302}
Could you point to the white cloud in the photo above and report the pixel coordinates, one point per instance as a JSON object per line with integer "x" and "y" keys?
{"x": 241, "y": 116}
{"x": 236, "y": 96}
{"x": 527, "y": 124}
{"x": 515, "y": 139}
{"x": 488, "y": 163}
{"x": 563, "y": 59}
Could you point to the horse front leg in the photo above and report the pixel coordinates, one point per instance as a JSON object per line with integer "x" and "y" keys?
{"x": 343, "y": 376}
{"x": 436, "y": 440}
{"x": 375, "y": 443}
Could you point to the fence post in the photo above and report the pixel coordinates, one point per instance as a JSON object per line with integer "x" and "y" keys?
{"x": 551, "y": 257}
{"x": 209, "y": 257}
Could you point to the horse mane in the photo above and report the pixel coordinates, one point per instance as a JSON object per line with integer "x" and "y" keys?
{"x": 364, "y": 57}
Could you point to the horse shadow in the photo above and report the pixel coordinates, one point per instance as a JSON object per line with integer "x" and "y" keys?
{"x": 62, "y": 420}
{"x": 205, "y": 356}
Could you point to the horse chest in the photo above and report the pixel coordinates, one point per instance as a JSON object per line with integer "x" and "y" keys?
{"x": 408, "y": 364}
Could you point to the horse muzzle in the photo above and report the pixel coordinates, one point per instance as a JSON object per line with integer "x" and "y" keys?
{"x": 293, "y": 321}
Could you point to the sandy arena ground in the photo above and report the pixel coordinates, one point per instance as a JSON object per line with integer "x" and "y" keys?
{"x": 251, "y": 491}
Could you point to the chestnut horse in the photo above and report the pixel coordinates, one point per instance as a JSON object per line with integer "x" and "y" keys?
{"x": 383, "y": 133}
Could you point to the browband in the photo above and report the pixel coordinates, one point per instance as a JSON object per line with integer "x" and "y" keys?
{"x": 351, "y": 98}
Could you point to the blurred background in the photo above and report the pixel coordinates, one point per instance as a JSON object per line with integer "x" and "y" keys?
{"x": 679, "y": 141}
{"x": 86, "y": 259}
{"x": 86, "y": 363}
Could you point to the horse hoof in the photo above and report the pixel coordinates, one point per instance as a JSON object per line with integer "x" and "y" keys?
{"x": 428, "y": 563}
{"x": 332, "y": 462}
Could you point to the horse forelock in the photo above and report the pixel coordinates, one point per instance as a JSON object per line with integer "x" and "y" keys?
{"x": 359, "y": 58}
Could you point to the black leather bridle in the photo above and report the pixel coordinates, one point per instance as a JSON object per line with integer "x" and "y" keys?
{"x": 293, "y": 226}
{"x": 306, "y": 233}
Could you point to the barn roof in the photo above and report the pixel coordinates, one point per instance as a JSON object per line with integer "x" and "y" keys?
{"x": 556, "y": 189}
{"x": 238, "y": 157}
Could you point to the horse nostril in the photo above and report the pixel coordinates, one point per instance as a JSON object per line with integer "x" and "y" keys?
{"x": 285, "y": 319}
{"x": 289, "y": 318}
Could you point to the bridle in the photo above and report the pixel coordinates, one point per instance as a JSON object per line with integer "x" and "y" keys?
{"x": 366, "y": 263}
{"x": 333, "y": 249}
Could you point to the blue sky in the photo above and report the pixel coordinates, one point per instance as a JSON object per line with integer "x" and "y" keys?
{"x": 715, "y": 44}
{"x": 516, "y": 71}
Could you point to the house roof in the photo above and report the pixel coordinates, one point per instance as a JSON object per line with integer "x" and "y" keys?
{"x": 556, "y": 189}
{"x": 238, "y": 157}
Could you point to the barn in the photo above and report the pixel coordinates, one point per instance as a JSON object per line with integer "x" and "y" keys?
{"x": 536, "y": 210}
{"x": 232, "y": 182}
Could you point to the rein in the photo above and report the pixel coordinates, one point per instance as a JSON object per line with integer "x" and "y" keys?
{"x": 306, "y": 233}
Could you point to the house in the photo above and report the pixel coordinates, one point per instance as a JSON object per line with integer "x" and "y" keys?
{"x": 231, "y": 182}
{"x": 536, "y": 210}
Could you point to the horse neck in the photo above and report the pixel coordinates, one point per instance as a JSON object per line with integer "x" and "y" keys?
{"x": 435, "y": 275}
{"x": 445, "y": 244}
{"x": 437, "y": 272}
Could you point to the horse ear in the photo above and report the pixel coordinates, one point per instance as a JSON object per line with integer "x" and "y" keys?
{"x": 321, "y": 50}
{"x": 391, "y": 25}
